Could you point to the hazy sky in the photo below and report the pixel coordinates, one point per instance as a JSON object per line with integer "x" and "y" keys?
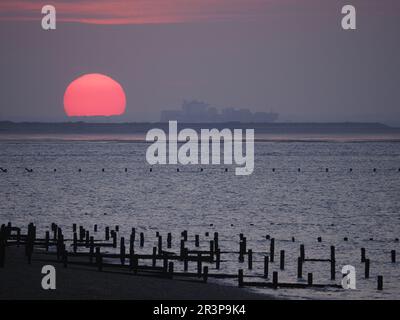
{"x": 289, "y": 56}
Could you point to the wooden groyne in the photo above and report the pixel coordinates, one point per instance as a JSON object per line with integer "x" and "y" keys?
{"x": 108, "y": 249}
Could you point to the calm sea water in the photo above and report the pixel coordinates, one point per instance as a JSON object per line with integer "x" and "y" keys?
{"x": 360, "y": 205}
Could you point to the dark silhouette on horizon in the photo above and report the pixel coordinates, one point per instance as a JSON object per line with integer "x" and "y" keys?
{"x": 195, "y": 111}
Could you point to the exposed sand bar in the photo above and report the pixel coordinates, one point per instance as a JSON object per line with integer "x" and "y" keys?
{"x": 19, "y": 280}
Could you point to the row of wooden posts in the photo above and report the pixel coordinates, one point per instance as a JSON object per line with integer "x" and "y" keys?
{"x": 30, "y": 170}
{"x": 82, "y": 238}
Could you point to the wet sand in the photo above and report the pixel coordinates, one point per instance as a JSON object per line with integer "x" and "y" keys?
{"x": 19, "y": 280}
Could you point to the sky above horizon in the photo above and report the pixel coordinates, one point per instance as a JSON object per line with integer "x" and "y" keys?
{"x": 287, "y": 56}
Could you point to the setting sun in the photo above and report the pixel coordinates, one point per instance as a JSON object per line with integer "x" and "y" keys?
{"x": 94, "y": 95}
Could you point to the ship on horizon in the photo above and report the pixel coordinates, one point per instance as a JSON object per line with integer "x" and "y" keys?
{"x": 195, "y": 111}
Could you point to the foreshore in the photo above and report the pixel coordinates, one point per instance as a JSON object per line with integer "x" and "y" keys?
{"x": 20, "y": 280}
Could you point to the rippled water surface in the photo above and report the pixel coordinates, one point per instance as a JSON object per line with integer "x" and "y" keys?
{"x": 361, "y": 204}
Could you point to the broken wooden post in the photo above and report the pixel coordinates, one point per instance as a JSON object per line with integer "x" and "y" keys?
{"x": 217, "y": 259}
{"x": 302, "y": 252}
{"x": 380, "y": 283}
{"x": 160, "y": 245}
{"x": 272, "y": 250}
{"x": 169, "y": 240}
{"x": 266, "y": 263}
{"x": 205, "y": 274}
{"x": 250, "y": 259}
{"x": 141, "y": 239}
{"x": 199, "y": 264}
{"x": 366, "y": 273}
{"x": 107, "y": 231}
{"x": 154, "y": 257}
{"x": 216, "y": 240}
{"x": 122, "y": 251}
{"x": 275, "y": 280}
{"x": 240, "y": 278}
{"x": 182, "y": 248}
{"x": 299, "y": 267}
{"x": 75, "y": 242}
{"x": 91, "y": 249}
{"x": 47, "y": 240}
{"x": 212, "y": 250}
{"x": 310, "y": 279}
{"x": 241, "y": 252}
{"x": 282, "y": 260}
{"x": 333, "y": 263}
{"x": 185, "y": 260}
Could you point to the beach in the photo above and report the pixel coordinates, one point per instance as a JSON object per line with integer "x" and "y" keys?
{"x": 19, "y": 280}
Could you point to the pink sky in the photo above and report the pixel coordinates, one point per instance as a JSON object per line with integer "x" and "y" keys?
{"x": 138, "y": 11}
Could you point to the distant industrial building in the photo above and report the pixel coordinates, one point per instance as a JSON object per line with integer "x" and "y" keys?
{"x": 198, "y": 111}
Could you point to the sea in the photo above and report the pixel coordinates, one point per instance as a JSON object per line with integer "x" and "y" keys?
{"x": 344, "y": 189}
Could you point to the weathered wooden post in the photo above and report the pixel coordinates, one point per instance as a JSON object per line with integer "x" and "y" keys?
{"x": 299, "y": 267}
{"x": 250, "y": 259}
{"x": 122, "y": 251}
{"x": 182, "y": 248}
{"x": 165, "y": 263}
{"x": 47, "y": 241}
{"x": 205, "y": 274}
{"x": 197, "y": 240}
{"x": 75, "y": 242}
{"x": 310, "y": 279}
{"x": 282, "y": 260}
{"x": 160, "y": 245}
{"x": 241, "y": 252}
{"x": 95, "y": 228}
{"x": 91, "y": 249}
{"x": 302, "y": 252}
{"x": 362, "y": 254}
{"x": 366, "y": 268}
{"x": 266, "y": 265}
{"x": 272, "y": 250}
{"x": 184, "y": 235}
{"x": 107, "y": 231}
{"x": 212, "y": 250}
{"x": 141, "y": 239}
{"x": 380, "y": 283}
{"x": 217, "y": 259}
{"x": 199, "y": 263}
{"x": 154, "y": 257}
{"x": 169, "y": 240}
{"x": 216, "y": 240}
{"x": 185, "y": 260}
{"x": 240, "y": 278}
{"x": 393, "y": 255}
{"x": 333, "y": 263}
{"x": 87, "y": 239}
{"x": 275, "y": 280}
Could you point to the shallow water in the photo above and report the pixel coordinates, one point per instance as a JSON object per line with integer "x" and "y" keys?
{"x": 360, "y": 205}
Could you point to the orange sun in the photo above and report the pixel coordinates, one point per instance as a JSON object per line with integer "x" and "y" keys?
{"x": 94, "y": 95}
